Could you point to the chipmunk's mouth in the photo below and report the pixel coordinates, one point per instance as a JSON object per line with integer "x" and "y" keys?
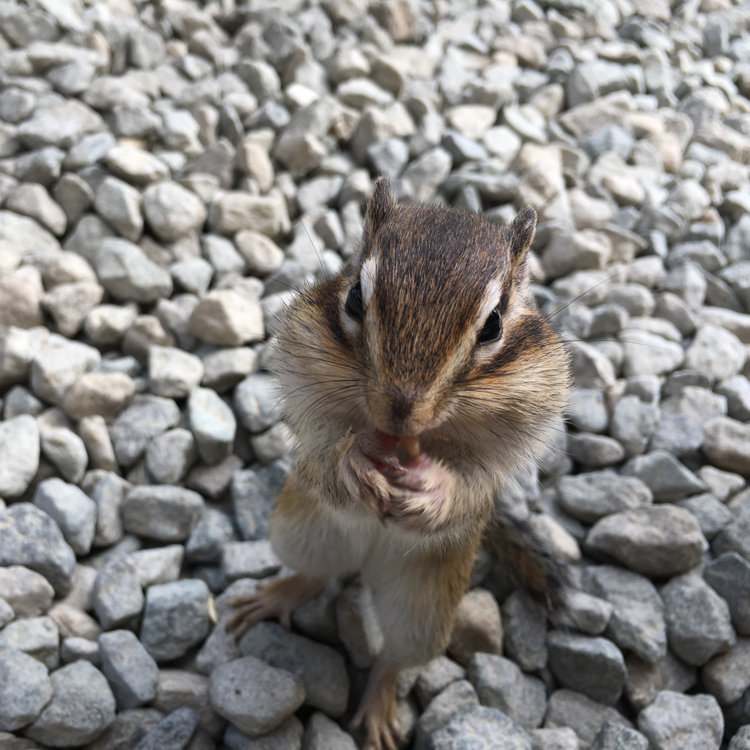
{"x": 398, "y": 458}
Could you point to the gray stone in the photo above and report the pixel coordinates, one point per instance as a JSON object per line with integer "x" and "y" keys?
{"x": 320, "y": 668}
{"x": 170, "y": 455}
{"x": 19, "y": 446}
{"x": 711, "y": 514}
{"x": 586, "y": 410}
{"x": 697, "y": 402}
{"x": 25, "y": 688}
{"x": 21, "y": 297}
{"x": 127, "y": 729}
{"x": 231, "y": 212}
{"x": 65, "y": 451}
{"x": 225, "y": 318}
{"x": 212, "y": 423}
{"x": 637, "y": 621}
{"x": 93, "y": 431}
{"x": 106, "y": 324}
{"x": 192, "y": 274}
{"x": 592, "y": 666}
{"x": 741, "y": 740}
{"x": 655, "y": 541}
{"x": 254, "y": 696}
{"x": 613, "y": 736}
{"x": 721, "y": 484}
{"x": 161, "y": 512}
{"x": 211, "y": 481}
{"x": 287, "y": 736}
{"x": 729, "y": 575}
{"x": 435, "y": 676}
{"x": 260, "y": 253}
{"x": 649, "y": 354}
{"x": 257, "y": 402}
{"x": 34, "y": 201}
{"x": 59, "y": 123}
{"x": 501, "y": 684}
{"x": 646, "y": 680}
{"x": 172, "y": 211}
{"x": 72, "y": 510}
{"x": 117, "y": 598}
{"x": 99, "y": 393}
{"x": 135, "y": 164}
{"x": 177, "y": 688}
{"x": 477, "y": 626}
{"x": 144, "y": 419}
{"x": 209, "y": 536}
{"x": 173, "y": 732}
{"x": 29, "y": 537}
{"x": 727, "y": 444}
{"x": 254, "y": 559}
{"x": 675, "y": 721}
{"x": 590, "y": 496}
{"x": 26, "y": 591}
{"x": 224, "y": 368}
{"x": 58, "y": 364}
{"x": 324, "y": 734}
{"x": 667, "y": 478}
{"x": 70, "y": 304}
{"x": 483, "y": 727}
{"x": 253, "y": 493}
{"x": 158, "y": 564}
{"x": 173, "y": 373}
{"x": 128, "y": 274}
{"x": 175, "y": 618}
{"x": 525, "y": 630}
{"x": 82, "y": 707}
{"x": 727, "y": 676}
{"x": 737, "y": 392}
{"x": 19, "y": 400}
{"x": 36, "y": 636}
{"x": 716, "y": 351}
{"x": 632, "y": 423}
{"x": 698, "y": 619}
{"x": 678, "y": 434}
{"x": 119, "y": 204}
{"x": 456, "y": 696}
{"x": 594, "y": 451}
{"x": 568, "y": 708}
{"x": 590, "y": 368}
{"x": 221, "y": 254}
{"x": 131, "y": 672}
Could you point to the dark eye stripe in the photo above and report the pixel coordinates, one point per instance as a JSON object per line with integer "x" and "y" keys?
{"x": 353, "y": 304}
{"x": 492, "y": 329}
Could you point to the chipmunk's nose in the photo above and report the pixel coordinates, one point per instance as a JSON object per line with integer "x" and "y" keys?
{"x": 401, "y": 407}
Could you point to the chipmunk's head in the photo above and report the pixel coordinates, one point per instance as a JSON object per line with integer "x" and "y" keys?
{"x": 438, "y": 301}
{"x": 429, "y": 335}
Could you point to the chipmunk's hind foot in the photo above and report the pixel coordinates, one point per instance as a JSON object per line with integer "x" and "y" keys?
{"x": 274, "y": 600}
{"x": 377, "y": 710}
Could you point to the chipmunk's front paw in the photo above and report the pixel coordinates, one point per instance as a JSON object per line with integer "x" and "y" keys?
{"x": 411, "y": 490}
{"x": 421, "y": 500}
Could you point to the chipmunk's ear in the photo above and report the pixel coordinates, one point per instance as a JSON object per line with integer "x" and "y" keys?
{"x": 381, "y": 204}
{"x": 521, "y": 234}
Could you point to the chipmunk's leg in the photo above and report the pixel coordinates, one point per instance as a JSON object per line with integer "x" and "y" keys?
{"x": 416, "y": 595}
{"x": 306, "y": 538}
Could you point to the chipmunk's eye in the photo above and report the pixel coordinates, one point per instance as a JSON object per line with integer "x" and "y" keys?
{"x": 353, "y": 304}
{"x": 492, "y": 329}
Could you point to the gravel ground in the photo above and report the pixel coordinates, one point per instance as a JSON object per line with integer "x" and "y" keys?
{"x": 170, "y": 171}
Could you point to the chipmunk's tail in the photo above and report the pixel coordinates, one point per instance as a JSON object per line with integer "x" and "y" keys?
{"x": 531, "y": 559}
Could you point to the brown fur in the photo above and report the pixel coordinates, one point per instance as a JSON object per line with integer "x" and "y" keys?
{"x": 412, "y": 367}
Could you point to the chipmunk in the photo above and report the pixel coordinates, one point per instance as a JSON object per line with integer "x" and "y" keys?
{"x": 416, "y": 381}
